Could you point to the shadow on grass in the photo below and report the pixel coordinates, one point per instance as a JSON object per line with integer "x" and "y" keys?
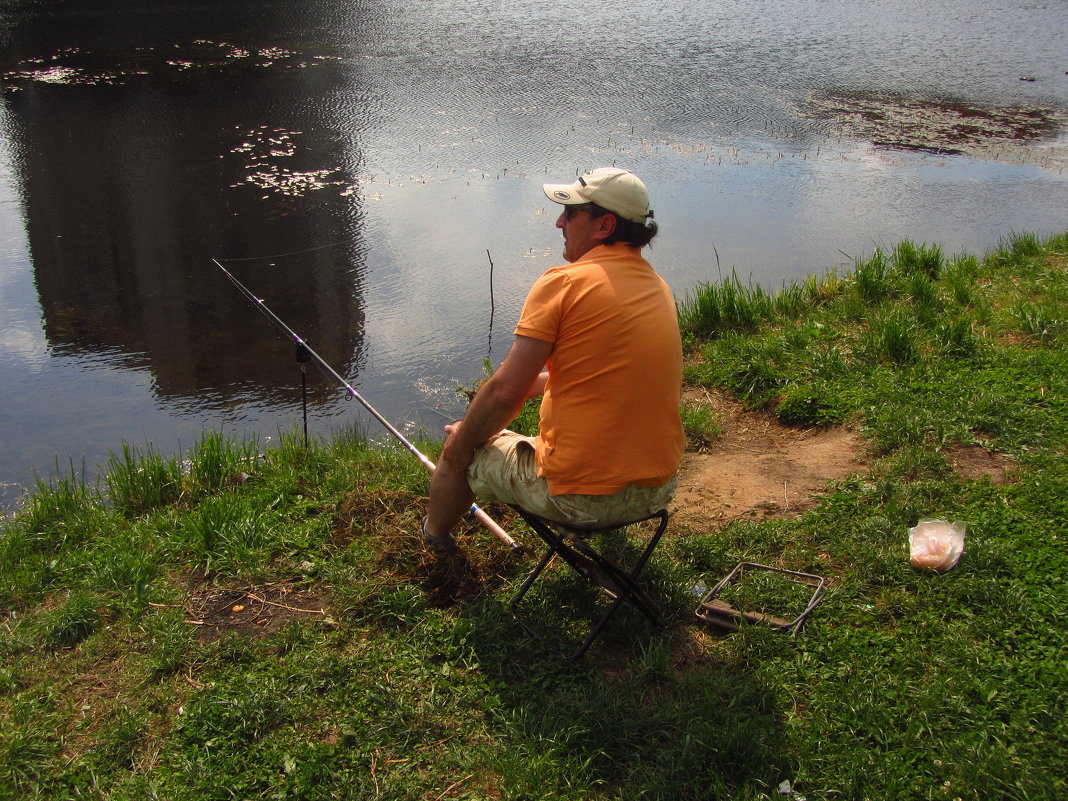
{"x": 646, "y": 713}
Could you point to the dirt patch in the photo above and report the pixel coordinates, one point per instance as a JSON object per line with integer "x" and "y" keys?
{"x": 947, "y": 127}
{"x": 976, "y": 464}
{"x": 386, "y": 523}
{"x": 254, "y": 611}
{"x": 759, "y": 468}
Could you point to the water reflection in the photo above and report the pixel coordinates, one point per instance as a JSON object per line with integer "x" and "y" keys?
{"x": 132, "y": 179}
{"x": 368, "y": 154}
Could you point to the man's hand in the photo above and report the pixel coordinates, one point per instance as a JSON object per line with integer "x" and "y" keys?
{"x": 454, "y": 455}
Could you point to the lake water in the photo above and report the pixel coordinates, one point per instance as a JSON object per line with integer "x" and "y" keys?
{"x": 359, "y": 164}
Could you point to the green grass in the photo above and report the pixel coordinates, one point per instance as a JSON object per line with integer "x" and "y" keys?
{"x": 701, "y": 425}
{"x": 141, "y": 480}
{"x": 260, "y": 626}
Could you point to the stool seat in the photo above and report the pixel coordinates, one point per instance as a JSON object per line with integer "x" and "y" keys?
{"x": 571, "y": 544}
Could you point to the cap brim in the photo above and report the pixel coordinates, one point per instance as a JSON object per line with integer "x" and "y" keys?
{"x": 565, "y": 194}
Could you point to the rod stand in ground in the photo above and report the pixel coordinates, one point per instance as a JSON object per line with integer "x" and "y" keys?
{"x": 303, "y": 357}
{"x": 479, "y": 514}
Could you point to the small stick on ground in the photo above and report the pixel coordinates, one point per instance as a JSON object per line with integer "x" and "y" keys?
{"x": 453, "y": 786}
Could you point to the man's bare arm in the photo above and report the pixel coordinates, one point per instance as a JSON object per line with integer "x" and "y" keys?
{"x": 495, "y": 404}
{"x": 499, "y": 400}
{"x": 538, "y": 388}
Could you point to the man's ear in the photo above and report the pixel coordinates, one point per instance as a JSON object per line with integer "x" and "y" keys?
{"x": 604, "y": 226}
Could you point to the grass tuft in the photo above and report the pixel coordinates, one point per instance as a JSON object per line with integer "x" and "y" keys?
{"x": 714, "y": 309}
{"x": 872, "y": 278}
{"x": 228, "y": 533}
{"x": 1041, "y": 321}
{"x": 910, "y": 260}
{"x": 701, "y": 425}
{"x": 64, "y": 496}
{"x": 138, "y": 481}
{"x": 217, "y": 461}
{"x": 1019, "y": 249}
{"x": 892, "y": 337}
{"x": 72, "y": 622}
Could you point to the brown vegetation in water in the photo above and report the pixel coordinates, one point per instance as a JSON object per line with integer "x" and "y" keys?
{"x": 945, "y": 126}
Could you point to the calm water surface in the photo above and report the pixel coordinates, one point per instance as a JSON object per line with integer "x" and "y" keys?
{"x": 361, "y": 162}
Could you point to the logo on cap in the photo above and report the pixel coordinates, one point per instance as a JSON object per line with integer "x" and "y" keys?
{"x": 562, "y": 194}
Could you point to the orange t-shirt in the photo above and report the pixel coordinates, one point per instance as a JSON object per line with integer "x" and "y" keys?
{"x": 610, "y": 412}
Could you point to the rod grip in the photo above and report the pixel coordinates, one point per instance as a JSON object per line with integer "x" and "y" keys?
{"x": 493, "y": 528}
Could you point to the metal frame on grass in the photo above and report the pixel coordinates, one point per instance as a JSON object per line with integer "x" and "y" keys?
{"x": 722, "y": 614}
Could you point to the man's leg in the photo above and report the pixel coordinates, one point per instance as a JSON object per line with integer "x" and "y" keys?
{"x": 502, "y": 474}
{"x": 450, "y": 498}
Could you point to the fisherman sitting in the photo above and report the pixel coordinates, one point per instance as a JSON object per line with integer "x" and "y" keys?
{"x": 598, "y": 339}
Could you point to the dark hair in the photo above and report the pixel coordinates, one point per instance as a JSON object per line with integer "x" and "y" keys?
{"x": 635, "y": 234}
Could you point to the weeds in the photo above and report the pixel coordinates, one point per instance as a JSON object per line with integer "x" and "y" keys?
{"x": 217, "y": 461}
{"x": 822, "y": 289}
{"x": 815, "y": 404}
{"x": 911, "y": 260}
{"x": 713, "y": 309}
{"x": 126, "y": 571}
{"x": 1019, "y": 249}
{"x": 872, "y": 278}
{"x": 72, "y": 622}
{"x": 228, "y": 533}
{"x": 138, "y": 481}
{"x": 956, "y": 338}
{"x": 64, "y": 497}
{"x": 701, "y": 425}
{"x": 892, "y": 338}
{"x": 1040, "y": 322}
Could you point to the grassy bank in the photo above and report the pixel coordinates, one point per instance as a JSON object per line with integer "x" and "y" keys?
{"x": 238, "y": 625}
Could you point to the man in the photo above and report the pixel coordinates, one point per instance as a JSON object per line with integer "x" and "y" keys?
{"x": 599, "y": 339}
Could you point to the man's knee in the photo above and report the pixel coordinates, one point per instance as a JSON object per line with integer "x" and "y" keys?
{"x": 506, "y": 470}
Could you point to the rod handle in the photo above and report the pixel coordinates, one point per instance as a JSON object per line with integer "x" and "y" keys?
{"x": 493, "y": 528}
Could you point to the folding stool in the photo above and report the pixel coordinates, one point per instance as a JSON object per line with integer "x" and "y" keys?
{"x": 618, "y": 582}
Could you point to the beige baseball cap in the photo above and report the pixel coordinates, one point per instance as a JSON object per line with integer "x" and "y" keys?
{"x": 613, "y": 188}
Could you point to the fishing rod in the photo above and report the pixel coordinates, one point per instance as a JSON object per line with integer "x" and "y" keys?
{"x": 302, "y": 347}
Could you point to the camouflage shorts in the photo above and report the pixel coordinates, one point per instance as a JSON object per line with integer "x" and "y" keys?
{"x": 505, "y": 469}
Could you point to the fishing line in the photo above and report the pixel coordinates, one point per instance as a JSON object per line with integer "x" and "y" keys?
{"x": 303, "y": 348}
{"x": 283, "y": 255}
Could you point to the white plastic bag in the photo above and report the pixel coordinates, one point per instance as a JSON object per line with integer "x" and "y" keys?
{"x": 936, "y": 544}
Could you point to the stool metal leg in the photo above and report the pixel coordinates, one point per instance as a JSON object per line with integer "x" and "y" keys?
{"x": 549, "y": 554}
{"x": 620, "y": 585}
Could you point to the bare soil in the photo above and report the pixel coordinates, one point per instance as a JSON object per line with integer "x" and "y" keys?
{"x": 256, "y": 611}
{"x": 759, "y": 468}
